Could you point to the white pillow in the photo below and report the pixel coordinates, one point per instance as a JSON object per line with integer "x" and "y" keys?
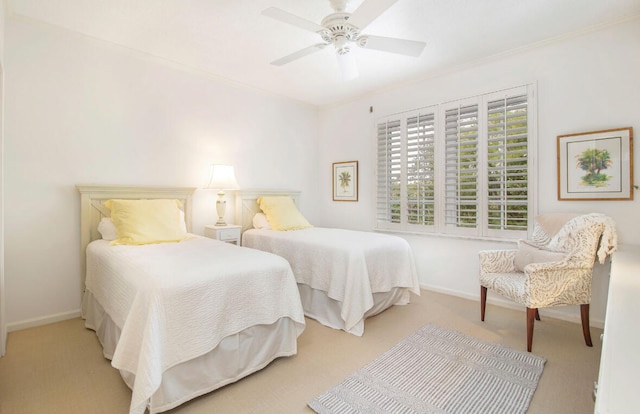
{"x": 260, "y": 222}
{"x": 183, "y": 223}
{"x": 528, "y": 253}
{"x": 108, "y": 231}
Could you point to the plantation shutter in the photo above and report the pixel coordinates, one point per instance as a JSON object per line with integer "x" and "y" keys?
{"x": 420, "y": 159}
{"x": 507, "y": 163}
{"x": 461, "y": 167}
{"x": 389, "y": 175}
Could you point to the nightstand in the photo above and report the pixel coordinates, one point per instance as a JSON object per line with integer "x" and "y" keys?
{"x": 227, "y": 234}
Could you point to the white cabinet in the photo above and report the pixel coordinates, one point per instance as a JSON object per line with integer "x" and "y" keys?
{"x": 619, "y": 379}
{"x": 228, "y": 234}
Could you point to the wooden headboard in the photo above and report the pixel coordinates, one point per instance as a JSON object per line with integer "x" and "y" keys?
{"x": 92, "y": 209}
{"x": 247, "y": 205}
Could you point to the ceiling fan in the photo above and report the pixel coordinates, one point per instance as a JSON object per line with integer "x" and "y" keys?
{"x": 343, "y": 30}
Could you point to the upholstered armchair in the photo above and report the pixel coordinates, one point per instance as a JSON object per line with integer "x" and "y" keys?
{"x": 553, "y": 268}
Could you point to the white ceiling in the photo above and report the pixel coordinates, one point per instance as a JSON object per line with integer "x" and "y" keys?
{"x": 230, "y": 39}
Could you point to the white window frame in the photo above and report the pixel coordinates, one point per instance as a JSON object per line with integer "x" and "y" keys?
{"x": 482, "y": 229}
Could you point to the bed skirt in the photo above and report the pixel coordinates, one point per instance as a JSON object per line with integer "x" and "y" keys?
{"x": 235, "y": 357}
{"x": 319, "y": 306}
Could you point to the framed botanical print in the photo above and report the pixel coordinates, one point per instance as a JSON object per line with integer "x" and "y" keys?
{"x": 596, "y": 165}
{"x": 345, "y": 181}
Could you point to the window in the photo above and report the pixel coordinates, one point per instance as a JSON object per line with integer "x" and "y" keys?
{"x": 420, "y": 169}
{"x": 389, "y": 175}
{"x": 461, "y": 168}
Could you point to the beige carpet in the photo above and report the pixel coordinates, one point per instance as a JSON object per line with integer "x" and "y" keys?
{"x": 59, "y": 368}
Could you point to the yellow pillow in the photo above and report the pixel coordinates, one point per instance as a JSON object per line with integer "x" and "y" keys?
{"x": 146, "y": 221}
{"x": 282, "y": 213}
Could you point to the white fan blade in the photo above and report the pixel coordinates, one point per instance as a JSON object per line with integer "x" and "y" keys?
{"x": 348, "y": 66}
{"x": 368, "y": 11}
{"x": 389, "y": 44}
{"x": 292, "y": 19}
{"x": 300, "y": 53}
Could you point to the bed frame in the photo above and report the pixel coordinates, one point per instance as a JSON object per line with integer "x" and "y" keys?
{"x": 92, "y": 209}
{"x": 247, "y": 205}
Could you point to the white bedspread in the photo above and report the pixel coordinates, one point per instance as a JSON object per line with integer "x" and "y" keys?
{"x": 349, "y": 265}
{"x": 177, "y": 301}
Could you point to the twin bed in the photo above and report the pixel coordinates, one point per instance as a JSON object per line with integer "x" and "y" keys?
{"x": 179, "y": 320}
{"x": 343, "y": 276}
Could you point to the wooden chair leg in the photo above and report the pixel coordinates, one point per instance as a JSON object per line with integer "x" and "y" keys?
{"x": 537, "y": 315}
{"x": 531, "y": 314}
{"x": 483, "y": 301}
{"x": 584, "y": 313}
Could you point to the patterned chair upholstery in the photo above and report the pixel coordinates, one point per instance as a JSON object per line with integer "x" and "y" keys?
{"x": 553, "y": 268}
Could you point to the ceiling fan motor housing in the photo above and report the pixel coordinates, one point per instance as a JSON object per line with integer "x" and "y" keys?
{"x": 339, "y": 5}
{"x": 339, "y": 32}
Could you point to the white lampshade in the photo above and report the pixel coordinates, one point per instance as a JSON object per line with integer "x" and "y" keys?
{"x": 222, "y": 178}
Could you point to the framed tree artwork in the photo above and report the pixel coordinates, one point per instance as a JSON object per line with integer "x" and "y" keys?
{"x": 596, "y": 165}
{"x": 345, "y": 181}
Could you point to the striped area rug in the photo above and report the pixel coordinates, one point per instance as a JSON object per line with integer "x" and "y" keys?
{"x": 437, "y": 370}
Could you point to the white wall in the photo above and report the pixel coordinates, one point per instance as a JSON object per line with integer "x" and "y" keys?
{"x": 80, "y": 111}
{"x": 585, "y": 83}
{"x": 3, "y": 326}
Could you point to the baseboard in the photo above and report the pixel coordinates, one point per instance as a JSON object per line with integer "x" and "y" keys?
{"x": 597, "y": 323}
{"x": 550, "y": 312}
{"x": 45, "y": 320}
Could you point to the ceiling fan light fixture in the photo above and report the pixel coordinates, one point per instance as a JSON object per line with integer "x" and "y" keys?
{"x": 347, "y": 65}
{"x": 342, "y": 45}
{"x": 326, "y": 35}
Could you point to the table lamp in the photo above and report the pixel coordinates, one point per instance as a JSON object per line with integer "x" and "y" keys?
{"x": 222, "y": 178}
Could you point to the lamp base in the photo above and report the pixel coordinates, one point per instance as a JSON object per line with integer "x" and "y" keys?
{"x": 221, "y": 206}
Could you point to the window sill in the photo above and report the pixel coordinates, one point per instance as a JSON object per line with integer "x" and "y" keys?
{"x": 449, "y": 236}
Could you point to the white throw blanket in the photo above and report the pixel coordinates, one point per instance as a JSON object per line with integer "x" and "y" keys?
{"x": 177, "y": 301}
{"x": 349, "y": 265}
{"x": 592, "y": 224}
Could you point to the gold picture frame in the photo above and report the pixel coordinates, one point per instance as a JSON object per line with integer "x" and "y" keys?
{"x": 345, "y": 181}
{"x": 596, "y": 165}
